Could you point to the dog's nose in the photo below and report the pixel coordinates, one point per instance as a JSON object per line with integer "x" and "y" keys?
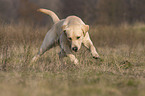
{"x": 75, "y": 49}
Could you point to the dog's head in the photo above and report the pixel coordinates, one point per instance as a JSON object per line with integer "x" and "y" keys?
{"x": 75, "y": 35}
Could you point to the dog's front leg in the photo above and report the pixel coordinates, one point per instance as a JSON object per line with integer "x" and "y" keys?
{"x": 73, "y": 58}
{"x": 89, "y": 44}
{"x": 69, "y": 54}
{"x": 62, "y": 54}
{"x": 65, "y": 46}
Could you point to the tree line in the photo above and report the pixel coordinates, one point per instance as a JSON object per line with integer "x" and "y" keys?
{"x": 91, "y": 11}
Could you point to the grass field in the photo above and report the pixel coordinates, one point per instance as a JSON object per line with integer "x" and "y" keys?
{"x": 121, "y": 72}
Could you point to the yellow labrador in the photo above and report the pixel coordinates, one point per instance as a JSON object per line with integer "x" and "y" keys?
{"x": 70, "y": 32}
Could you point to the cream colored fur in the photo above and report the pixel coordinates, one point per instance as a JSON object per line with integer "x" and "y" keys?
{"x": 71, "y": 33}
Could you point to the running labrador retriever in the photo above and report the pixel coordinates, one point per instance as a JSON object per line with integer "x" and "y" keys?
{"x": 70, "y": 32}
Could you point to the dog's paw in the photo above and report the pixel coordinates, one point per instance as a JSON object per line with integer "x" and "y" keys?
{"x": 34, "y": 59}
{"x": 98, "y": 58}
{"x": 76, "y": 62}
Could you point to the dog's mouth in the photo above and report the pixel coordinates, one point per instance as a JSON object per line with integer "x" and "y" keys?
{"x": 75, "y": 51}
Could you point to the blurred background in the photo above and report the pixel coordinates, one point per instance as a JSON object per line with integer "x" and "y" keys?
{"x": 112, "y": 22}
{"x": 91, "y": 11}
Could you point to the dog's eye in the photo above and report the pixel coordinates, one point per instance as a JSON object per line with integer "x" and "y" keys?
{"x": 78, "y": 37}
{"x": 69, "y": 38}
{"x": 64, "y": 31}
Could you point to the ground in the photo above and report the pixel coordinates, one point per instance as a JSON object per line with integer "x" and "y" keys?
{"x": 120, "y": 72}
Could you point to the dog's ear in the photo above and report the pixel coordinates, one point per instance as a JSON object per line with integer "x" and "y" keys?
{"x": 63, "y": 27}
{"x": 85, "y": 29}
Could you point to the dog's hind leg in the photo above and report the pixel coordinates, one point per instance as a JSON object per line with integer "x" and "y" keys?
{"x": 49, "y": 41}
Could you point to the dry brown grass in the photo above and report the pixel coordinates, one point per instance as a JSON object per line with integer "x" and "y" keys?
{"x": 120, "y": 73}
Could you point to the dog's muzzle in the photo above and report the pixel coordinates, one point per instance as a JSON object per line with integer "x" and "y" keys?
{"x": 75, "y": 49}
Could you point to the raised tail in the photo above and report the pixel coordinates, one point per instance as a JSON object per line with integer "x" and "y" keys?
{"x": 50, "y": 13}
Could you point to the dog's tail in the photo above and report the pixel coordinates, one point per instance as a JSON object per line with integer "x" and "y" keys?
{"x": 50, "y": 13}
